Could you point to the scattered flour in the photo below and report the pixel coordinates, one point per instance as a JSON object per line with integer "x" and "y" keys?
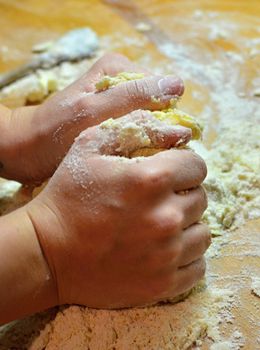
{"x": 255, "y": 286}
{"x": 143, "y": 27}
{"x": 173, "y": 327}
{"x": 233, "y": 181}
{"x": 233, "y": 188}
{"x": 8, "y": 189}
{"x": 35, "y": 87}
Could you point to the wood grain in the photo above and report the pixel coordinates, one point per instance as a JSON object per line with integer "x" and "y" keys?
{"x": 26, "y": 23}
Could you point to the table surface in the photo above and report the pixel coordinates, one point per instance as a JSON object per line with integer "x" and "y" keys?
{"x": 230, "y": 26}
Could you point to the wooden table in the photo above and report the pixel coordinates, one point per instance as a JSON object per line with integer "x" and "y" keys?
{"x": 229, "y": 27}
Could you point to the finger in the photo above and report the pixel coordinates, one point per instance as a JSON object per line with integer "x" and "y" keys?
{"x": 161, "y": 134}
{"x": 151, "y": 93}
{"x": 189, "y": 275}
{"x": 110, "y": 64}
{"x": 170, "y": 216}
{"x": 130, "y": 133}
{"x": 192, "y": 203}
{"x": 181, "y": 169}
{"x": 195, "y": 241}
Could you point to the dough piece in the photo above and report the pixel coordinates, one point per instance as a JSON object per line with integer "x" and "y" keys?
{"x": 107, "y": 81}
{"x": 172, "y": 116}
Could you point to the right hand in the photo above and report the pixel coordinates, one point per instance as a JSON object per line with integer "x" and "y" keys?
{"x": 120, "y": 232}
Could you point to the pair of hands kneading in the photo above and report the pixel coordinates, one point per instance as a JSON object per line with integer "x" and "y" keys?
{"x": 107, "y": 231}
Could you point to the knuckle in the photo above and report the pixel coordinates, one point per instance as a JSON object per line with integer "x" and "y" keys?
{"x": 82, "y": 107}
{"x": 177, "y": 219}
{"x": 204, "y": 237}
{"x": 203, "y": 268}
{"x": 199, "y": 164}
{"x": 148, "y": 178}
{"x": 203, "y": 198}
{"x": 176, "y": 250}
{"x": 136, "y": 182}
{"x": 159, "y": 176}
{"x": 154, "y": 177}
{"x": 166, "y": 225}
{"x": 110, "y": 57}
{"x": 85, "y": 136}
{"x": 166, "y": 174}
{"x": 207, "y": 236}
{"x": 140, "y": 116}
{"x": 202, "y": 167}
{"x": 138, "y": 89}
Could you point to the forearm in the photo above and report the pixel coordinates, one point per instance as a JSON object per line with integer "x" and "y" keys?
{"x": 29, "y": 152}
{"x": 5, "y": 117}
{"x": 17, "y": 141}
{"x": 26, "y": 284}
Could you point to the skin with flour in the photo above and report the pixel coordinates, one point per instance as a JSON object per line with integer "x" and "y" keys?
{"x": 146, "y": 254}
{"x": 131, "y": 134}
{"x": 102, "y": 147}
{"x": 170, "y": 116}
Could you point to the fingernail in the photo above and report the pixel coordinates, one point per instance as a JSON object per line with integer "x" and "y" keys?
{"x": 171, "y": 86}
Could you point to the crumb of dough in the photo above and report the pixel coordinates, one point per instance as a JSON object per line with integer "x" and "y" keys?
{"x": 8, "y": 189}
{"x": 173, "y": 101}
{"x": 132, "y": 136}
{"x": 171, "y": 116}
{"x": 233, "y": 180}
{"x": 225, "y": 345}
{"x": 143, "y": 27}
{"x": 255, "y": 286}
{"x": 37, "y": 86}
{"x": 107, "y": 81}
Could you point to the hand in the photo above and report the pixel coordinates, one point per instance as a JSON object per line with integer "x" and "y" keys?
{"x": 119, "y": 232}
{"x": 38, "y": 137}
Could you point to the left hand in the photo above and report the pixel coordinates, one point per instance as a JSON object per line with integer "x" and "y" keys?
{"x": 39, "y": 137}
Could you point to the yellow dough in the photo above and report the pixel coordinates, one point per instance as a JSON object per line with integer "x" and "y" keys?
{"x": 172, "y": 116}
{"x": 107, "y": 81}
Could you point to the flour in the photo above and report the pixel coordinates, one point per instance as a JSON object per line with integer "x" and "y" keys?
{"x": 157, "y": 327}
{"x": 144, "y": 130}
{"x": 232, "y": 186}
{"x": 233, "y": 181}
{"x": 8, "y": 189}
{"x": 255, "y": 286}
{"x": 35, "y": 87}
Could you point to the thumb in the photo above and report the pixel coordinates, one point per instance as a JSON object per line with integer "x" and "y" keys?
{"x": 123, "y": 136}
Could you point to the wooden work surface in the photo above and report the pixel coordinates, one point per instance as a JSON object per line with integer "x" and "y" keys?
{"x": 176, "y": 24}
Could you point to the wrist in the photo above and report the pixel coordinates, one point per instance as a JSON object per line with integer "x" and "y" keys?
{"x": 29, "y": 285}
{"x": 5, "y": 117}
{"x": 17, "y": 147}
{"x": 49, "y": 234}
{"x": 54, "y": 236}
